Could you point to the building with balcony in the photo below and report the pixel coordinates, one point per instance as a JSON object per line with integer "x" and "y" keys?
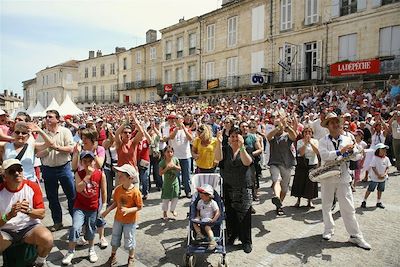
{"x": 181, "y": 54}
{"x": 140, "y": 71}
{"x": 56, "y": 82}
{"x": 98, "y": 79}
{"x": 264, "y": 44}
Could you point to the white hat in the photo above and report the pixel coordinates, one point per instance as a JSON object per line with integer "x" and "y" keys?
{"x": 89, "y": 118}
{"x": 129, "y": 169}
{"x": 331, "y": 116}
{"x": 2, "y": 112}
{"x": 99, "y": 120}
{"x": 380, "y": 145}
{"x": 347, "y": 115}
{"x": 207, "y": 189}
{"x": 10, "y": 162}
{"x": 368, "y": 116}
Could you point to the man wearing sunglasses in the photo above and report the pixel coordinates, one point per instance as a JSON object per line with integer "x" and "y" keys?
{"x": 21, "y": 209}
{"x": 56, "y": 167}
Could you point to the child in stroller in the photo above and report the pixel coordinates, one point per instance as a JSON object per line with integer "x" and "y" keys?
{"x": 207, "y": 212}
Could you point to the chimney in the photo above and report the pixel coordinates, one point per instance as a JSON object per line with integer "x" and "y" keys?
{"x": 5, "y": 92}
{"x": 11, "y": 93}
{"x": 182, "y": 20}
{"x": 151, "y": 36}
{"x": 16, "y": 95}
{"x": 99, "y": 54}
{"x": 91, "y": 54}
{"x": 119, "y": 49}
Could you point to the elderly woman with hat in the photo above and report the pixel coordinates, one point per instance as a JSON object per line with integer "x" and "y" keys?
{"x": 24, "y": 147}
{"x": 332, "y": 147}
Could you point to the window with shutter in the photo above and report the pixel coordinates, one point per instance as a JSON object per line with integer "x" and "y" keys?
{"x": 335, "y": 8}
{"x": 286, "y": 14}
{"x": 348, "y": 47}
{"x": 257, "y": 23}
{"x": 210, "y": 70}
{"x": 232, "y": 31}
{"x": 311, "y": 12}
{"x": 210, "y": 37}
{"x": 389, "y": 41}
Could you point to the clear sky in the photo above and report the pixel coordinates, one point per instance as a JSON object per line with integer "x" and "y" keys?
{"x": 37, "y": 33}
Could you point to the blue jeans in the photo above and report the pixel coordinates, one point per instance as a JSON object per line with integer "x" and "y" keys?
{"x": 80, "y": 218}
{"x": 53, "y": 176}
{"x": 144, "y": 180}
{"x": 155, "y": 168}
{"x": 185, "y": 174}
{"x": 129, "y": 231}
{"x": 110, "y": 177}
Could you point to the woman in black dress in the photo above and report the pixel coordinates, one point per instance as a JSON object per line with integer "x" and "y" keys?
{"x": 237, "y": 187}
{"x": 307, "y": 158}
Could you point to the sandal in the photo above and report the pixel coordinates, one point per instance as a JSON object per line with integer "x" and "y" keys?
{"x": 174, "y": 213}
{"x": 131, "y": 262}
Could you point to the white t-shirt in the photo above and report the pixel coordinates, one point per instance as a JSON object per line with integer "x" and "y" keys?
{"x": 319, "y": 131}
{"x": 207, "y": 210}
{"x": 377, "y": 138}
{"x": 309, "y": 152}
{"x": 181, "y": 145}
{"x": 381, "y": 164}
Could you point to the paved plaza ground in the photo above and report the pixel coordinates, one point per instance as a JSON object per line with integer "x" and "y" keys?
{"x": 291, "y": 240}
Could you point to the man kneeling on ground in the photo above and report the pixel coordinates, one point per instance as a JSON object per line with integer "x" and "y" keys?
{"x": 21, "y": 209}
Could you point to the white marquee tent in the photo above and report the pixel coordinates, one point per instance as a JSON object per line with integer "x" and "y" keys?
{"x": 68, "y": 107}
{"x": 38, "y": 111}
{"x": 53, "y": 105}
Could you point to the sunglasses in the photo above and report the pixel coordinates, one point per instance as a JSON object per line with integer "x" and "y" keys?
{"x": 49, "y": 117}
{"x": 18, "y": 133}
{"x": 252, "y": 127}
{"x": 127, "y": 132}
{"x": 14, "y": 170}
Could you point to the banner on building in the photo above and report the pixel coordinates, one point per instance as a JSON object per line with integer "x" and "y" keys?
{"x": 167, "y": 88}
{"x": 372, "y": 66}
{"x": 211, "y": 84}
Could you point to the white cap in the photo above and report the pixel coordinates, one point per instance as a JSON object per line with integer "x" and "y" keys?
{"x": 10, "y": 162}
{"x": 380, "y": 145}
{"x": 2, "y": 112}
{"x": 99, "y": 120}
{"x": 207, "y": 189}
{"x": 89, "y": 118}
{"x": 129, "y": 169}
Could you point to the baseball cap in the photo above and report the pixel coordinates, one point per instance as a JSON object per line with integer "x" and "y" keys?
{"x": 128, "y": 169}
{"x": 10, "y": 162}
{"x": 381, "y": 145}
{"x": 206, "y": 189}
{"x": 2, "y": 112}
{"x": 99, "y": 120}
{"x": 87, "y": 153}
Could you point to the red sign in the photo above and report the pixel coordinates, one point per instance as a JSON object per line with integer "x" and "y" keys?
{"x": 371, "y": 66}
{"x": 167, "y": 88}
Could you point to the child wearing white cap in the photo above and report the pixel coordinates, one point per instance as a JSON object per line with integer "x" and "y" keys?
{"x": 207, "y": 212}
{"x": 378, "y": 173}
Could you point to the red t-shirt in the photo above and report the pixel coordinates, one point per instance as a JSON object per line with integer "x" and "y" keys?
{"x": 127, "y": 154}
{"x": 102, "y": 137}
{"x": 143, "y": 150}
{"x": 88, "y": 199}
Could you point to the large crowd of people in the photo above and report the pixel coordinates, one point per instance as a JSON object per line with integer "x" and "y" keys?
{"x": 111, "y": 156}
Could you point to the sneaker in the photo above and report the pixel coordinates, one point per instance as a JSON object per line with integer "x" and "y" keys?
{"x": 112, "y": 260}
{"x": 68, "y": 258}
{"x": 247, "y": 247}
{"x": 42, "y": 264}
{"x": 103, "y": 243}
{"x": 92, "y": 256}
{"x": 277, "y": 202}
{"x": 200, "y": 236}
{"x": 364, "y": 204}
{"x": 82, "y": 241}
{"x": 56, "y": 227}
{"x": 212, "y": 245}
{"x": 360, "y": 242}
{"x": 327, "y": 236}
{"x": 380, "y": 205}
{"x": 131, "y": 262}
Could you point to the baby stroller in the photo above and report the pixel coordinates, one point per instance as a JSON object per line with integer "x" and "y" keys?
{"x": 200, "y": 247}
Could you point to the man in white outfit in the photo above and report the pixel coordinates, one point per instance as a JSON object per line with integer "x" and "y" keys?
{"x": 331, "y": 147}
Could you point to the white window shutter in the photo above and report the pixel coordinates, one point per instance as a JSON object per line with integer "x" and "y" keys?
{"x": 335, "y": 8}
{"x": 361, "y": 5}
{"x": 376, "y": 3}
{"x": 299, "y": 61}
{"x": 352, "y": 47}
{"x": 395, "y": 49}
{"x": 384, "y": 41}
{"x": 319, "y": 53}
{"x": 254, "y": 24}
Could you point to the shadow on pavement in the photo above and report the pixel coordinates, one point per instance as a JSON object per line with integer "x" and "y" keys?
{"x": 306, "y": 247}
{"x": 158, "y": 226}
{"x": 361, "y": 211}
{"x": 257, "y": 222}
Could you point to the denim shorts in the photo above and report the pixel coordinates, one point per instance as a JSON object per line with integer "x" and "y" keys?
{"x": 372, "y": 185}
{"x": 80, "y": 217}
{"x": 129, "y": 231}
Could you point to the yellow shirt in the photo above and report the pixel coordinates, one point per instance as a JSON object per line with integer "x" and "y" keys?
{"x": 206, "y": 153}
